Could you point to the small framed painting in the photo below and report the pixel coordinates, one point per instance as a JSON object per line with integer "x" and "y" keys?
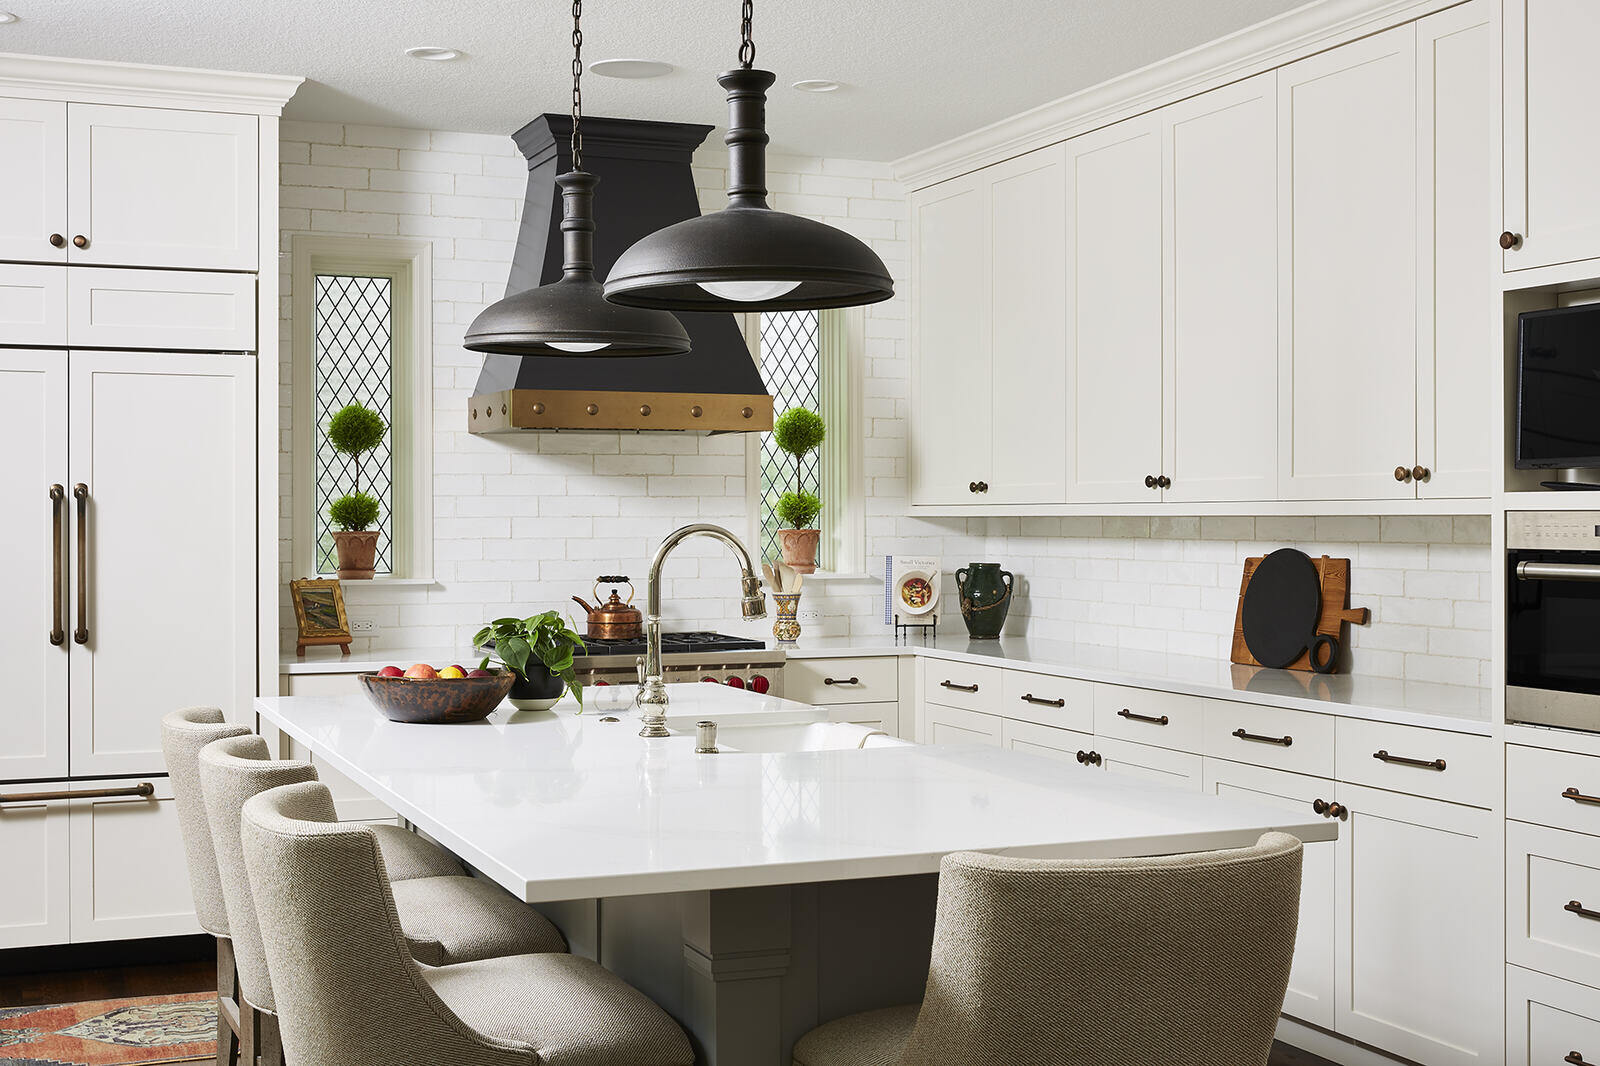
{"x": 319, "y": 614}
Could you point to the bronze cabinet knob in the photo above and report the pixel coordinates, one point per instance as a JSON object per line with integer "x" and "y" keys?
{"x": 1149, "y": 481}
{"x": 1164, "y": 482}
{"x": 972, "y": 486}
{"x": 1510, "y": 241}
{"x": 1421, "y": 473}
{"x": 57, "y": 241}
{"x": 593, "y": 409}
{"x": 80, "y": 241}
{"x": 1402, "y": 473}
{"x": 983, "y": 486}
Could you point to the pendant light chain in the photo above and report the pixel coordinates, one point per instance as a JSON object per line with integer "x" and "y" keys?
{"x": 747, "y": 45}
{"x": 577, "y": 83}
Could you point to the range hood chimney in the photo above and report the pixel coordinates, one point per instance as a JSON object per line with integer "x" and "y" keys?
{"x": 645, "y": 184}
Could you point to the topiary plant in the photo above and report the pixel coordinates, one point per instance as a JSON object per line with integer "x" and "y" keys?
{"x": 799, "y": 431}
{"x": 355, "y": 430}
{"x": 353, "y": 512}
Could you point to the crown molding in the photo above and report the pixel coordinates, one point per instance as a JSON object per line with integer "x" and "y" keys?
{"x": 1293, "y": 35}
{"x": 97, "y": 81}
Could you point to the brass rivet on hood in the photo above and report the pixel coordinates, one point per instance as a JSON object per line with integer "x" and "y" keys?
{"x": 748, "y": 412}
{"x": 696, "y": 410}
{"x": 593, "y": 408}
{"x": 644, "y": 409}
{"x": 538, "y": 408}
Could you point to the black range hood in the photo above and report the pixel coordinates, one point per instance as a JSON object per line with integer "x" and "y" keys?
{"x": 645, "y": 184}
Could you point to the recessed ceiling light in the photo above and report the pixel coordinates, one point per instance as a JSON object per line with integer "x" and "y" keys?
{"x": 817, "y": 85}
{"x": 631, "y": 69}
{"x": 430, "y": 53}
{"x": 6, "y": 16}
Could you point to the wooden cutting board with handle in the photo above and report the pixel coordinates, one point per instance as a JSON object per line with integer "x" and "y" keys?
{"x": 1334, "y": 575}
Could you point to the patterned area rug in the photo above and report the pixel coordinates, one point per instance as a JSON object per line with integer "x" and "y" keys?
{"x": 111, "y": 1032}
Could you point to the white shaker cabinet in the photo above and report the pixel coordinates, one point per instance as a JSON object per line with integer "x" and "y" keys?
{"x": 1113, "y": 295}
{"x": 34, "y": 526}
{"x": 164, "y": 447}
{"x": 1347, "y": 203}
{"x": 130, "y": 877}
{"x": 1551, "y": 157}
{"x": 33, "y": 181}
{"x": 35, "y": 896}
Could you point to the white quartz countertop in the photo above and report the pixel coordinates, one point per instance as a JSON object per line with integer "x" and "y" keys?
{"x": 1460, "y": 708}
{"x": 557, "y": 805}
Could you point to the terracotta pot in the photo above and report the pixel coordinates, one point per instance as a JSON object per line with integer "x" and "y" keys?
{"x": 799, "y": 548}
{"x": 358, "y": 551}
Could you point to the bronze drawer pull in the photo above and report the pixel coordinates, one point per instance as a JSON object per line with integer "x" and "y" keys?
{"x": 958, "y": 688}
{"x": 1421, "y": 764}
{"x": 80, "y": 492}
{"x": 58, "y": 630}
{"x": 1581, "y": 911}
{"x": 1031, "y": 698}
{"x": 1283, "y": 741}
{"x": 1090, "y": 758}
{"x": 1578, "y": 797}
{"x": 1130, "y": 716}
{"x": 1576, "y": 1058}
{"x": 841, "y": 681}
{"x": 143, "y": 790}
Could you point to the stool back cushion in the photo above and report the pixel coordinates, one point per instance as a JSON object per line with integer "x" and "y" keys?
{"x": 183, "y": 733}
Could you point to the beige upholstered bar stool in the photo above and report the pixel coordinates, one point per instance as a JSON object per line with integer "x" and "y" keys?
{"x": 350, "y": 994}
{"x": 183, "y": 733}
{"x": 1180, "y": 959}
{"x": 446, "y": 917}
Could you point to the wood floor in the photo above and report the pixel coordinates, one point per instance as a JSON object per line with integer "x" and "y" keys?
{"x": 199, "y": 975}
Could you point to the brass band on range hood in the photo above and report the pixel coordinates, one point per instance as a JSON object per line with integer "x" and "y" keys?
{"x": 516, "y": 410}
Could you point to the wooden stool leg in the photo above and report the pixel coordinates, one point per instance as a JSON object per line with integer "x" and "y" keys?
{"x": 249, "y": 1023}
{"x": 227, "y": 1004}
{"x": 270, "y": 1040}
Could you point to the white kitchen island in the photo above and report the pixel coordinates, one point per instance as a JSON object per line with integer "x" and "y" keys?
{"x": 753, "y": 894}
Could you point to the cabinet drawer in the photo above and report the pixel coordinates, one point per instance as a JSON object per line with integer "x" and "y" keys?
{"x": 825, "y": 681}
{"x": 34, "y": 905}
{"x": 884, "y": 716}
{"x": 170, "y": 310}
{"x": 1423, "y": 762}
{"x": 1553, "y": 901}
{"x": 1146, "y": 716}
{"x": 953, "y": 725}
{"x": 1556, "y": 788}
{"x": 1033, "y": 739}
{"x": 33, "y": 304}
{"x": 1548, "y": 1019}
{"x": 977, "y": 688}
{"x": 1269, "y": 736}
{"x": 130, "y": 876}
{"x": 1061, "y": 702}
{"x": 1176, "y": 769}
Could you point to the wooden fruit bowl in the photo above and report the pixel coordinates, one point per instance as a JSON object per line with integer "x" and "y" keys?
{"x": 437, "y": 701}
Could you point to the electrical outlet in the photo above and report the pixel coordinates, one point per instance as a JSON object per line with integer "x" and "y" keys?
{"x": 363, "y": 627}
{"x": 809, "y": 615}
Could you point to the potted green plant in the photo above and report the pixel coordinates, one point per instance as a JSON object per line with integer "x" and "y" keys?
{"x": 539, "y": 651}
{"x": 799, "y": 431}
{"x": 355, "y": 430}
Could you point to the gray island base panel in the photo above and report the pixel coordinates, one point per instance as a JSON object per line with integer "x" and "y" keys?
{"x": 752, "y": 894}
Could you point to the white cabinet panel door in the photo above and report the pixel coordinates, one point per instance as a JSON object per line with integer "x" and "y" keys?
{"x": 33, "y": 651}
{"x": 950, "y": 381}
{"x": 1551, "y": 81}
{"x": 1347, "y": 203}
{"x": 33, "y": 180}
{"x": 1548, "y": 1019}
{"x": 35, "y": 894}
{"x": 1176, "y": 769}
{"x": 129, "y": 877}
{"x": 1114, "y": 304}
{"x": 1311, "y": 983}
{"x": 1457, "y": 305}
{"x": 1220, "y": 391}
{"x": 953, "y": 725}
{"x": 153, "y": 187}
{"x": 165, "y": 444}
{"x": 172, "y": 310}
{"x": 33, "y": 304}
{"x": 1028, "y": 213}
{"x": 1419, "y": 918}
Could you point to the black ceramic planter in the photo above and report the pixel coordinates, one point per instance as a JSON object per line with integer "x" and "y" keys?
{"x": 538, "y": 690}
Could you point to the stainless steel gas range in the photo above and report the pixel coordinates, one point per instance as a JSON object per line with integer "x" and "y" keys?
{"x": 695, "y": 656}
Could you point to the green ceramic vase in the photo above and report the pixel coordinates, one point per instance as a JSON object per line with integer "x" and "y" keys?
{"x": 985, "y": 598}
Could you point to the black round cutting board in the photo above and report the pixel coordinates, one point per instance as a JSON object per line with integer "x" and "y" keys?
{"x": 1281, "y": 606}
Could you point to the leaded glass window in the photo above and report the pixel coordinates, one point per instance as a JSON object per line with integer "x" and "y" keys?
{"x": 353, "y": 362}
{"x": 791, "y": 366}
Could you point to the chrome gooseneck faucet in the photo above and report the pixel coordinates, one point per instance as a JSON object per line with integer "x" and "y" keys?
{"x": 653, "y": 693}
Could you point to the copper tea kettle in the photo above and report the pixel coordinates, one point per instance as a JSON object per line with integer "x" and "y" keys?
{"x": 615, "y": 618}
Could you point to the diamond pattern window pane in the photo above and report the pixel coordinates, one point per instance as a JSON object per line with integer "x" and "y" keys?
{"x": 353, "y": 362}
{"x": 790, "y": 365}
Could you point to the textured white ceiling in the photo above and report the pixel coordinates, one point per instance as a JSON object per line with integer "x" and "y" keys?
{"x": 916, "y": 72}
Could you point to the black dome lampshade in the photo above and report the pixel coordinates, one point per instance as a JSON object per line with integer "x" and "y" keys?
{"x": 571, "y": 316}
{"x": 748, "y": 257}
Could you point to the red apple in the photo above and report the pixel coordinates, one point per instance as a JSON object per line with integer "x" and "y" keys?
{"x": 391, "y": 671}
{"x": 422, "y": 672}
{"x": 480, "y": 672}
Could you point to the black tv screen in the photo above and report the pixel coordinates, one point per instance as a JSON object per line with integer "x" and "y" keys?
{"x": 1558, "y": 388}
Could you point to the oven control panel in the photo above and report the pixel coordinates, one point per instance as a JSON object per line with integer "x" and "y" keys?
{"x": 1569, "y": 530}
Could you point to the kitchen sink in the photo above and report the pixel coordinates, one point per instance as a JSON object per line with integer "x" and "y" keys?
{"x": 800, "y": 736}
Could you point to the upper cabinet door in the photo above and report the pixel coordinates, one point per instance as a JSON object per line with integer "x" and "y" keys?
{"x": 1028, "y": 216}
{"x": 951, "y": 388}
{"x": 161, "y": 188}
{"x": 1347, "y": 206}
{"x": 1114, "y": 306}
{"x": 1458, "y": 308}
{"x": 33, "y": 181}
{"x": 1221, "y": 371}
{"x": 1551, "y": 81}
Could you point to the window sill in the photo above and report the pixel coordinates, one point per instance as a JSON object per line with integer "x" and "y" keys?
{"x": 386, "y": 582}
{"x": 845, "y": 576}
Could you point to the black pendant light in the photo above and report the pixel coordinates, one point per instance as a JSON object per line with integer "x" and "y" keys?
{"x": 571, "y": 317}
{"x": 748, "y": 257}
